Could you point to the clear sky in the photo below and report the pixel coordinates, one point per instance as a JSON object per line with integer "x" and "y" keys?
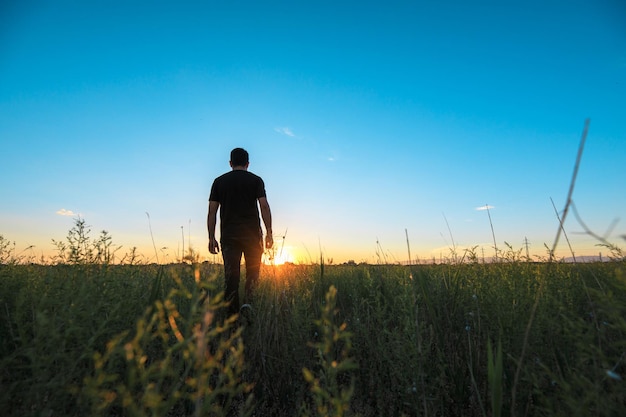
{"x": 365, "y": 119}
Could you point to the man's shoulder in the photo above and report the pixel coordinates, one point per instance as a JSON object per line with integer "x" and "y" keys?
{"x": 227, "y": 176}
{"x": 237, "y": 174}
{"x": 221, "y": 177}
{"x": 254, "y": 175}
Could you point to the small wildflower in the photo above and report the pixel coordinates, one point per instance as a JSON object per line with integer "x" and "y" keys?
{"x": 468, "y": 328}
{"x": 475, "y": 297}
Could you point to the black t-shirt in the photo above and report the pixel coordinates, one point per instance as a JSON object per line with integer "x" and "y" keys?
{"x": 237, "y": 192}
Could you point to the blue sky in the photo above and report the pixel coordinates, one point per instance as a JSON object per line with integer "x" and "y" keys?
{"x": 363, "y": 118}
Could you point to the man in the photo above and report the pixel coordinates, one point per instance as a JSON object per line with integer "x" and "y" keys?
{"x": 236, "y": 194}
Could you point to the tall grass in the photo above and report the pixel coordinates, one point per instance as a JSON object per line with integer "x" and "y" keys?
{"x": 454, "y": 339}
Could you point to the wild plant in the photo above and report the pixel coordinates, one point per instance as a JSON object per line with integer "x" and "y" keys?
{"x": 585, "y": 377}
{"x": 53, "y": 318}
{"x": 132, "y": 257}
{"x": 80, "y": 249}
{"x": 7, "y": 251}
{"x": 179, "y": 359}
{"x": 495, "y": 374}
{"x": 331, "y": 389}
{"x": 471, "y": 339}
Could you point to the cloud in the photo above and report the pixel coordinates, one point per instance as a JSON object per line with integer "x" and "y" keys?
{"x": 485, "y": 207}
{"x": 285, "y": 131}
{"x": 64, "y": 212}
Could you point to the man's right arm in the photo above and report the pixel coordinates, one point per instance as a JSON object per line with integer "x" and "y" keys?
{"x": 266, "y": 215}
{"x": 211, "y": 222}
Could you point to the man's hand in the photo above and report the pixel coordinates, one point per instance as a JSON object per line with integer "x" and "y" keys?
{"x": 269, "y": 241}
{"x": 214, "y": 247}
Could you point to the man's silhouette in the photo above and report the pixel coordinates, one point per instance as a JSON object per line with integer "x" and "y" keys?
{"x": 236, "y": 194}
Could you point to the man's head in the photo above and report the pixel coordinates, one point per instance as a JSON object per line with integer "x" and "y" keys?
{"x": 239, "y": 158}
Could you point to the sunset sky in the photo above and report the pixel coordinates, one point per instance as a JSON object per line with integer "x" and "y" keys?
{"x": 365, "y": 119}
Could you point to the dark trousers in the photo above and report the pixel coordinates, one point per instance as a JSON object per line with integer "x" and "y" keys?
{"x": 232, "y": 249}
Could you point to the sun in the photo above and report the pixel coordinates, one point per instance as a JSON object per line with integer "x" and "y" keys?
{"x": 278, "y": 256}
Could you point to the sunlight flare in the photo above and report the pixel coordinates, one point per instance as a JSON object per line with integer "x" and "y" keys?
{"x": 279, "y": 256}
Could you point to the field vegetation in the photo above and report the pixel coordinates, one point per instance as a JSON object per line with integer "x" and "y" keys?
{"x": 81, "y": 336}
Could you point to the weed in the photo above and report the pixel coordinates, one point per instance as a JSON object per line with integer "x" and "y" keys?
{"x": 82, "y": 337}
{"x": 333, "y": 352}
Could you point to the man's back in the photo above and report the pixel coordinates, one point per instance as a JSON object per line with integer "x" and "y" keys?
{"x": 237, "y": 192}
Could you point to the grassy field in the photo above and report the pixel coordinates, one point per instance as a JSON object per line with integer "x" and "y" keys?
{"x": 82, "y": 337}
